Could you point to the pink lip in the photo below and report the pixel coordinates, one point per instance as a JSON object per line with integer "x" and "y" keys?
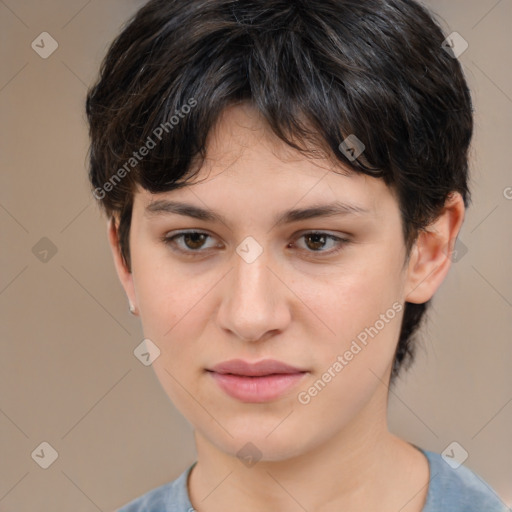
{"x": 256, "y": 382}
{"x": 264, "y": 367}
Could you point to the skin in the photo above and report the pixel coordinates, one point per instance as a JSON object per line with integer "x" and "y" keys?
{"x": 290, "y": 304}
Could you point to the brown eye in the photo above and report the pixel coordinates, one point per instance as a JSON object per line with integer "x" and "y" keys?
{"x": 196, "y": 240}
{"x": 193, "y": 242}
{"x": 317, "y": 240}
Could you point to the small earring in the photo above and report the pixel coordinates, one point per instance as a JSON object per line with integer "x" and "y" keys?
{"x": 132, "y": 309}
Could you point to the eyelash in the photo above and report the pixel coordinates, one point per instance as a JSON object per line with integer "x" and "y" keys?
{"x": 169, "y": 241}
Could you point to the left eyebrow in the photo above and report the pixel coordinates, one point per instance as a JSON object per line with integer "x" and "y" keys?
{"x": 164, "y": 206}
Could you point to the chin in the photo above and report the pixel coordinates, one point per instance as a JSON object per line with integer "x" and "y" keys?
{"x": 250, "y": 452}
{"x": 257, "y": 445}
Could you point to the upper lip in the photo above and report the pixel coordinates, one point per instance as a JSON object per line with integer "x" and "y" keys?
{"x": 264, "y": 367}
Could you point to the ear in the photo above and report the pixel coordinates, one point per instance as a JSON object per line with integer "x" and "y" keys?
{"x": 123, "y": 272}
{"x": 431, "y": 254}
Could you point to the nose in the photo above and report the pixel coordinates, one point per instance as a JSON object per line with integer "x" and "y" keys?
{"x": 254, "y": 303}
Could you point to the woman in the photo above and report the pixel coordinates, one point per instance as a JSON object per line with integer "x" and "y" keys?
{"x": 284, "y": 183}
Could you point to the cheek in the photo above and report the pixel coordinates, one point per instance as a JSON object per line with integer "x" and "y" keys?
{"x": 346, "y": 303}
{"x": 354, "y": 343}
{"x": 352, "y": 356}
{"x": 363, "y": 311}
{"x": 172, "y": 313}
{"x": 163, "y": 292}
{"x": 175, "y": 308}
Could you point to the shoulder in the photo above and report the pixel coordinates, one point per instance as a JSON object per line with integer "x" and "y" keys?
{"x": 458, "y": 489}
{"x": 171, "y": 497}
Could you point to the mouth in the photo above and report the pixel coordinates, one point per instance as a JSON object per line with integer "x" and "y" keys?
{"x": 256, "y": 382}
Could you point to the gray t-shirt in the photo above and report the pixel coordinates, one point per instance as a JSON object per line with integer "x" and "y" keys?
{"x": 450, "y": 490}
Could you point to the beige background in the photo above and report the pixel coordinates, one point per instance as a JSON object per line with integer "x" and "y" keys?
{"x": 68, "y": 375}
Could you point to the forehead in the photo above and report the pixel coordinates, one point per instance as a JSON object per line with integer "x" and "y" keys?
{"x": 247, "y": 164}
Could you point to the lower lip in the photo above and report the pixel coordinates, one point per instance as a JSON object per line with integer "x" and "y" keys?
{"x": 256, "y": 389}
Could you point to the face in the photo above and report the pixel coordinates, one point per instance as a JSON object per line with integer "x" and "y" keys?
{"x": 323, "y": 294}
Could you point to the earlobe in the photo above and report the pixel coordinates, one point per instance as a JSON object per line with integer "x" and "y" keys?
{"x": 431, "y": 255}
{"x": 124, "y": 274}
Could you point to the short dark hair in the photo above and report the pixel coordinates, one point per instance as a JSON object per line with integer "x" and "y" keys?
{"x": 317, "y": 70}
